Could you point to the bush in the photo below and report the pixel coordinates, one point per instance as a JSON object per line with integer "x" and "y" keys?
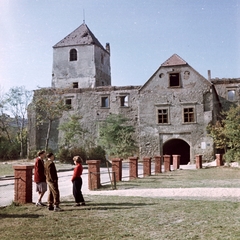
{"x": 9, "y": 151}
{"x": 66, "y": 155}
{"x": 232, "y": 156}
{"x": 97, "y": 153}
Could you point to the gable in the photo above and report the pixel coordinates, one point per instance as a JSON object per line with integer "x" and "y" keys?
{"x": 175, "y": 73}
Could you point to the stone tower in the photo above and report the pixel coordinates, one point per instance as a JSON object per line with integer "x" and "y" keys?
{"x": 80, "y": 61}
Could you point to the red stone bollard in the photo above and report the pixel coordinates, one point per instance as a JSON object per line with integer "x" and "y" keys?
{"x": 158, "y": 164}
{"x": 167, "y": 163}
{"x": 93, "y": 174}
{"x": 198, "y": 161}
{"x": 146, "y": 166}
{"x": 176, "y": 161}
{"x": 23, "y": 184}
{"x": 133, "y": 167}
{"x": 219, "y": 160}
{"x": 117, "y": 169}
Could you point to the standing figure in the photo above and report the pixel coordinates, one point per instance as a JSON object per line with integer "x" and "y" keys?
{"x": 77, "y": 182}
{"x": 52, "y": 181}
{"x": 39, "y": 177}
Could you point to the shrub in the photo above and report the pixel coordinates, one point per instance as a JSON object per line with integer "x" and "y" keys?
{"x": 66, "y": 155}
{"x": 97, "y": 153}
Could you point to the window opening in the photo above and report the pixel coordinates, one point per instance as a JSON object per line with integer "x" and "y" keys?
{"x": 162, "y": 115}
{"x": 188, "y": 115}
{"x": 231, "y": 95}
{"x": 174, "y": 80}
{"x": 105, "y": 102}
{"x": 75, "y": 85}
{"x": 124, "y": 101}
{"x": 73, "y": 55}
{"x": 68, "y": 103}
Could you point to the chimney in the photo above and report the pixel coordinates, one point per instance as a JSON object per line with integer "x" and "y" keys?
{"x": 209, "y": 75}
{"x": 108, "y": 47}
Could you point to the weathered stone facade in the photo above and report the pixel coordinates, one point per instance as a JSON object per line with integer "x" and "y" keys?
{"x": 170, "y": 112}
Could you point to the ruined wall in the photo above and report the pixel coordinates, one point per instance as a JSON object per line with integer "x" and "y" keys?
{"x": 222, "y": 87}
{"x": 87, "y": 104}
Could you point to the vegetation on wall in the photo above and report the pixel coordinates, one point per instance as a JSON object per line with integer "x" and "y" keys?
{"x": 116, "y": 136}
{"x": 49, "y": 105}
{"x": 72, "y": 131}
{"x": 226, "y": 134}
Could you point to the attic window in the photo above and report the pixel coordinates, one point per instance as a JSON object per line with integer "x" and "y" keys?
{"x": 174, "y": 80}
{"x": 85, "y": 34}
{"x": 75, "y": 84}
{"x": 73, "y": 55}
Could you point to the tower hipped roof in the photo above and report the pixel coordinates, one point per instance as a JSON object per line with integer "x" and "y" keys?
{"x": 80, "y": 36}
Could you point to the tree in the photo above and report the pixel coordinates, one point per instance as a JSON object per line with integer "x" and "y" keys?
{"x": 72, "y": 130}
{"x": 17, "y": 101}
{"x": 232, "y": 132}
{"x": 226, "y": 134}
{"x": 49, "y": 106}
{"x": 116, "y": 137}
{"x": 216, "y": 131}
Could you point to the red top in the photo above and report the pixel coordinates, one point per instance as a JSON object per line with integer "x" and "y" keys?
{"x": 77, "y": 172}
{"x": 39, "y": 175}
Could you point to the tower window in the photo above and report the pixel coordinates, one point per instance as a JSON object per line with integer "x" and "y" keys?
{"x": 75, "y": 85}
{"x": 174, "y": 80}
{"x": 73, "y": 55}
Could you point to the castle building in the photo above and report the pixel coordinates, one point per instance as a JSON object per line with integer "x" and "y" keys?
{"x": 170, "y": 112}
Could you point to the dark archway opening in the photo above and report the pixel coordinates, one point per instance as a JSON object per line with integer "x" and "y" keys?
{"x": 177, "y": 147}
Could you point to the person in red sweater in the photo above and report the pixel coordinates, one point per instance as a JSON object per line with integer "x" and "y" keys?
{"x": 39, "y": 177}
{"x": 77, "y": 182}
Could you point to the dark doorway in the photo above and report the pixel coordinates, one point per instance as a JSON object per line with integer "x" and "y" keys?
{"x": 177, "y": 147}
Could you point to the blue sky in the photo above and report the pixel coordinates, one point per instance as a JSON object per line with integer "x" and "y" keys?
{"x": 142, "y": 35}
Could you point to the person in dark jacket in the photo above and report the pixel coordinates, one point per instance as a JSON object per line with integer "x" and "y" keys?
{"x": 77, "y": 182}
{"x": 52, "y": 181}
{"x": 39, "y": 177}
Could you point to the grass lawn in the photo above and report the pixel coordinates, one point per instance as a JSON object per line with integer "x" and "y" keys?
{"x": 113, "y": 217}
{"x": 107, "y": 217}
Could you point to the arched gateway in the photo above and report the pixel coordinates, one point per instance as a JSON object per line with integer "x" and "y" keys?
{"x": 177, "y": 147}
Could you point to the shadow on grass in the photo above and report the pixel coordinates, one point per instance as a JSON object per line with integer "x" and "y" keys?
{"x": 102, "y": 206}
{"x": 5, "y": 215}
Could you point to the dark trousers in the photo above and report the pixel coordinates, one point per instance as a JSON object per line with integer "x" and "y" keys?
{"x": 77, "y": 190}
{"x": 53, "y": 193}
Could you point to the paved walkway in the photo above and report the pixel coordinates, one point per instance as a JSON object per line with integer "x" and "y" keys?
{"x": 65, "y": 187}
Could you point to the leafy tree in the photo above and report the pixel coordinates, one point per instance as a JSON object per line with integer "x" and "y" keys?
{"x": 72, "y": 130}
{"x": 232, "y": 132}
{"x": 17, "y": 101}
{"x": 116, "y": 137}
{"x": 216, "y": 131}
{"x": 49, "y": 106}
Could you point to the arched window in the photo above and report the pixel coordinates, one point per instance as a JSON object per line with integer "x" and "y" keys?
{"x": 73, "y": 55}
